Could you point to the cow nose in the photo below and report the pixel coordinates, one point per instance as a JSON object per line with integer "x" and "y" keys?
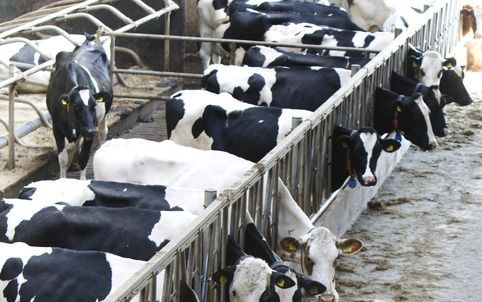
{"x": 446, "y": 131}
{"x": 90, "y": 133}
{"x": 327, "y": 298}
{"x": 432, "y": 146}
{"x": 370, "y": 180}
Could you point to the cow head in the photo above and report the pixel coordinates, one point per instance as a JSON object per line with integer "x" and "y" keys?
{"x": 252, "y": 280}
{"x": 362, "y": 148}
{"x": 452, "y": 86}
{"x": 437, "y": 117}
{"x": 80, "y": 104}
{"x": 316, "y": 252}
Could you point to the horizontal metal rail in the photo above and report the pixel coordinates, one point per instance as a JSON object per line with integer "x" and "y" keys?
{"x": 158, "y": 73}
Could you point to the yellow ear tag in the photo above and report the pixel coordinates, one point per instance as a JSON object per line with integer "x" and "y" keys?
{"x": 347, "y": 249}
{"x": 100, "y": 100}
{"x": 292, "y": 247}
{"x": 64, "y": 102}
{"x": 449, "y": 65}
{"x": 390, "y": 148}
{"x": 399, "y": 108}
{"x": 414, "y": 64}
{"x": 344, "y": 145}
{"x": 223, "y": 279}
{"x": 281, "y": 283}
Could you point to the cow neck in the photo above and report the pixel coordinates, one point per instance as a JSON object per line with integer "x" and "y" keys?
{"x": 395, "y": 120}
{"x": 417, "y": 88}
{"x": 349, "y": 166}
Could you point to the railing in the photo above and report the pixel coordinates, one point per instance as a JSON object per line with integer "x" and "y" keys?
{"x": 302, "y": 160}
{"x": 54, "y": 13}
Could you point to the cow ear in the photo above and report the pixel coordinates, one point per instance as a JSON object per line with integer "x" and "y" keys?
{"x": 64, "y": 100}
{"x": 225, "y": 275}
{"x": 344, "y": 141}
{"x": 390, "y": 145}
{"x": 415, "y": 61}
{"x": 102, "y": 96}
{"x": 281, "y": 280}
{"x": 290, "y": 244}
{"x": 349, "y": 246}
{"x": 450, "y": 62}
{"x": 398, "y": 106}
{"x": 312, "y": 287}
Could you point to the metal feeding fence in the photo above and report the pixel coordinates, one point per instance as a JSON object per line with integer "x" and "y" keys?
{"x": 48, "y": 19}
{"x": 301, "y": 160}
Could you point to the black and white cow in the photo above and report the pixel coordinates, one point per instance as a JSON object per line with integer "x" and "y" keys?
{"x": 127, "y": 232}
{"x": 404, "y": 114}
{"x": 444, "y": 76}
{"x": 403, "y": 85}
{"x": 79, "y": 96}
{"x": 307, "y": 248}
{"x": 187, "y": 293}
{"x": 250, "y": 279}
{"x": 286, "y": 87}
{"x": 205, "y": 120}
{"x": 254, "y": 26}
{"x": 255, "y": 245}
{"x": 262, "y": 56}
{"x": 167, "y": 163}
{"x": 30, "y": 273}
{"x": 76, "y": 192}
{"x": 356, "y": 153}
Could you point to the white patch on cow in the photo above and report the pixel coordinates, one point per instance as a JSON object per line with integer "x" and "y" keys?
{"x": 169, "y": 225}
{"x": 190, "y": 200}
{"x": 285, "y": 121}
{"x": 344, "y": 74}
{"x": 260, "y": 121}
{"x": 102, "y": 129}
{"x": 251, "y": 278}
{"x": 122, "y": 269}
{"x": 85, "y": 96}
{"x": 239, "y": 54}
{"x": 71, "y": 191}
{"x": 426, "y": 115}
{"x": 369, "y": 141}
{"x": 64, "y": 161}
{"x": 92, "y": 79}
{"x": 140, "y": 161}
{"x": 269, "y": 53}
{"x": 369, "y": 13}
{"x": 432, "y": 67}
{"x": 23, "y": 210}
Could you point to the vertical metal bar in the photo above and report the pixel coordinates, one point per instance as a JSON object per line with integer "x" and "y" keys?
{"x": 11, "y": 121}
{"x": 209, "y": 196}
{"x": 167, "y": 43}
{"x": 112, "y": 56}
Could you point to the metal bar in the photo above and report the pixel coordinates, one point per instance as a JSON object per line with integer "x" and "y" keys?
{"x": 167, "y": 43}
{"x": 57, "y": 29}
{"x": 158, "y": 73}
{"x": 112, "y": 9}
{"x": 11, "y": 123}
{"x": 154, "y": 15}
{"x": 214, "y": 40}
{"x": 24, "y": 130}
{"x": 37, "y": 110}
{"x": 26, "y": 41}
{"x": 25, "y": 74}
{"x": 144, "y": 6}
{"x": 91, "y": 18}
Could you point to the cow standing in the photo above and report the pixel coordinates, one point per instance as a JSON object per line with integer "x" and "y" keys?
{"x": 79, "y": 96}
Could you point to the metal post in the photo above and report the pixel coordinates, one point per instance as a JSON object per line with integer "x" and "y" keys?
{"x": 11, "y": 121}
{"x": 209, "y": 196}
{"x": 295, "y": 122}
{"x": 354, "y": 69}
{"x": 167, "y": 43}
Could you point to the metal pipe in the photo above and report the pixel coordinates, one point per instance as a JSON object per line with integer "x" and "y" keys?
{"x": 27, "y": 73}
{"x": 91, "y": 18}
{"x": 26, "y": 41}
{"x": 144, "y": 6}
{"x": 214, "y": 40}
{"x": 57, "y": 29}
{"x": 112, "y": 9}
{"x": 172, "y": 7}
{"x": 132, "y": 53}
{"x": 24, "y": 101}
{"x": 167, "y": 43}
{"x": 24, "y": 130}
{"x": 11, "y": 122}
{"x": 158, "y": 73}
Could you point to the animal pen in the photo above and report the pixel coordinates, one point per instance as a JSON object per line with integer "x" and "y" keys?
{"x": 302, "y": 160}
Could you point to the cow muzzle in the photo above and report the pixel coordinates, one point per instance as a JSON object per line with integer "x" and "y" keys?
{"x": 89, "y": 134}
{"x": 320, "y": 298}
{"x": 369, "y": 180}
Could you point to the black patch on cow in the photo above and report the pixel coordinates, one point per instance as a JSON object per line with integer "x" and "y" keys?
{"x": 4, "y": 209}
{"x": 254, "y": 57}
{"x": 256, "y": 245}
{"x": 10, "y": 291}
{"x": 174, "y": 113}
{"x": 118, "y": 195}
{"x": 255, "y": 83}
{"x": 249, "y": 133}
{"x": 187, "y": 294}
{"x": 67, "y": 276}
{"x": 452, "y": 86}
{"x": 27, "y": 192}
{"x": 11, "y": 269}
{"x": 210, "y": 82}
{"x": 198, "y": 127}
{"x": 26, "y": 54}
{"x": 303, "y": 88}
{"x": 121, "y": 231}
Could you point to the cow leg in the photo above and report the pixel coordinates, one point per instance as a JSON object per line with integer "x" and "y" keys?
{"x": 84, "y": 157}
{"x": 100, "y": 113}
{"x": 63, "y": 155}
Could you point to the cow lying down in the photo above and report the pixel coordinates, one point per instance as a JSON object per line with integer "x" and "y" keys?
{"x": 205, "y": 120}
{"x": 285, "y": 87}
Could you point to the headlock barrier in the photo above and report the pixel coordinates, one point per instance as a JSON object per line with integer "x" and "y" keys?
{"x": 302, "y": 160}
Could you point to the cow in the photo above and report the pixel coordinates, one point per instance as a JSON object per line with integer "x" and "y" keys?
{"x": 403, "y": 85}
{"x": 79, "y": 95}
{"x": 204, "y": 120}
{"x": 187, "y": 294}
{"x": 26, "y": 57}
{"x": 256, "y": 245}
{"x": 166, "y": 163}
{"x": 471, "y": 16}
{"x": 253, "y": 26}
{"x": 57, "y": 275}
{"x": 474, "y": 54}
{"x": 307, "y": 248}
{"x": 262, "y": 56}
{"x": 76, "y": 192}
{"x": 286, "y": 87}
{"x": 444, "y": 76}
{"x": 404, "y": 114}
{"x": 355, "y": 154}
{"x": 127, "y": 232}
{"x": 250, "y": 279}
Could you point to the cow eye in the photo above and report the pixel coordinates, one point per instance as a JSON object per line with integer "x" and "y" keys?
{"x": 233, "y": 293}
